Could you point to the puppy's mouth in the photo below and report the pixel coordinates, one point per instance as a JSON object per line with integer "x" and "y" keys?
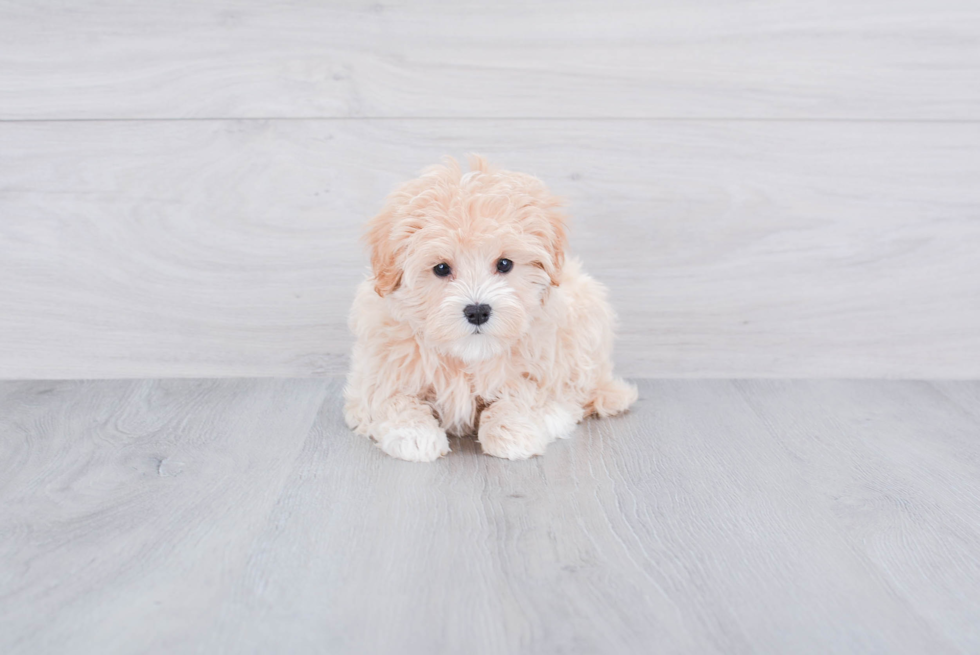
{"x": 477, "y": 346}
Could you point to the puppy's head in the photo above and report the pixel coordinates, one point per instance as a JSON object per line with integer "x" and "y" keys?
{"x": 466, "y": 260}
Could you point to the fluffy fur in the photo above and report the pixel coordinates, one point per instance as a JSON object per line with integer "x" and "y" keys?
{"x": 538, "y": 366}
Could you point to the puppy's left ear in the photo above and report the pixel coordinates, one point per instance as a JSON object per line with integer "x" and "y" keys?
{"x": 555, "y": 239}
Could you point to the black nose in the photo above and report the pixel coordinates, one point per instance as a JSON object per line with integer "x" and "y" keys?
{"x": 477, "y": 314}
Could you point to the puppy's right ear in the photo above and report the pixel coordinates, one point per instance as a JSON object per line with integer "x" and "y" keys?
{"x": 384, "y": 255}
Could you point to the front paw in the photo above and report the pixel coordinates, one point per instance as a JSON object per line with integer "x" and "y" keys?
{"x": 415, "y": 443}
{"x": 509, "y": 435}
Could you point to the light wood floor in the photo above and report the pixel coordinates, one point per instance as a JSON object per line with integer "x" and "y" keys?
{"x": 717, "y": 517}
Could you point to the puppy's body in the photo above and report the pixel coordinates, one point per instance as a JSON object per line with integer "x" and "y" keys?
{"x": 424, "y": 365}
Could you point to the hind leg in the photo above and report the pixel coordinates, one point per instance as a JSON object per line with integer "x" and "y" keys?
{"x": 613, "y": 396}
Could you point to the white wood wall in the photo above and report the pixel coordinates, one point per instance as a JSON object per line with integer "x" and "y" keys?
{"x": 768, "y": 188}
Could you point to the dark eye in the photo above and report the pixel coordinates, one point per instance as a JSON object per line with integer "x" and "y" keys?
{"x": 442, "y": 270}
{"x": 504, "y": 265}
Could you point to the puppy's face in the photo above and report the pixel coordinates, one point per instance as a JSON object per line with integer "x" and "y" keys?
{"x": 466, "y": 260}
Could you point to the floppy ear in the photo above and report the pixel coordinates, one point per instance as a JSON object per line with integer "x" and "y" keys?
{"x": 389, "y": 233}
{"x": 539, "y": 214}
{"x": 556, "y": 241}
{"x": 384, "y": 263}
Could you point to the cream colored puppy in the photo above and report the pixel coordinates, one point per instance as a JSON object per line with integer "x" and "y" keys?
{"x": 474, "y": 321}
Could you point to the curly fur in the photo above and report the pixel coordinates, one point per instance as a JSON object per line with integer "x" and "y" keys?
{"x": 419, "y": 370}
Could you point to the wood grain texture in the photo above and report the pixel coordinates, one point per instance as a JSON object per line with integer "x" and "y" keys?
{"x": 731, "y": 249}
{"x": 127, "y": 506}
{"x": 901, "y": 59}
{"x": 716, "y": 517}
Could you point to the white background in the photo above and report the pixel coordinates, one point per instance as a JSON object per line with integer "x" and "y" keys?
{"x": 768, "y": 189}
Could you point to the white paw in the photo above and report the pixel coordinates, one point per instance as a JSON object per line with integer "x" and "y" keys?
{"x": 513, "y": 450}
{"x": 558, "y": 421}
{"x": 516, "y": 439}
{"x": 512, "y": 433}
{"x": 415, "y": 444}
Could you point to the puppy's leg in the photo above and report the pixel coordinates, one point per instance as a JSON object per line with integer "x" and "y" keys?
{"x": 613, "y": 396}
{"x": 518, "y": 426}
{"x": 404, "y": 427}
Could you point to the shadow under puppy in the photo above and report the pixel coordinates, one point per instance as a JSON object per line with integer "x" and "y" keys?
{"x": 475, "y": 321}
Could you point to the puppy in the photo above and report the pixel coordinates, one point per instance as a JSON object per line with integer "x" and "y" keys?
{"x": 474, "y": 321}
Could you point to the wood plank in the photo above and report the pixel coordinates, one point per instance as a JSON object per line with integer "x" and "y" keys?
{"x": 900, "y": 59}
{"x": 126, "y": 507}
{"x": 902, "y": 484}
{"x": 730, "y": 249}
{"x": 717, "y": 516}
{"x": 673, "y": 529}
